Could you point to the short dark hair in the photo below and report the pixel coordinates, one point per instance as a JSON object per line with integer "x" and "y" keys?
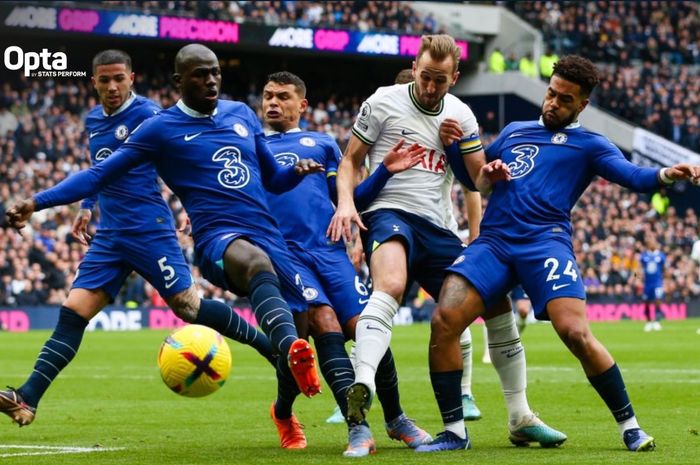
{"x": 404, "y": 77}
{"x": 579, "y": 70}
{"x": 285, "y": 77}
{"x": 111, "y": 57}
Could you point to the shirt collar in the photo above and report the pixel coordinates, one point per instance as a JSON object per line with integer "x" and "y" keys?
{"x": 573, "y": 125}
{"x": 124, "y": 106}
{"x": 270, "y": 132}
{"x": 194, "y": 113}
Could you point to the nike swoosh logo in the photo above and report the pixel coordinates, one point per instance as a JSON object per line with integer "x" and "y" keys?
{"x": 270, "y": 320}
{"x": 363, "y": 301}
{"x": 93, "y": 134}
{"x": 170, "y": 284}
{"x": 376, "y": 329}
{"x": 515, "y": 134}
{"x": 189, "y": 137}
{"x": 556, "y": 287}
{"x": 406, "y": 132}
{"x": 513, "y": 354}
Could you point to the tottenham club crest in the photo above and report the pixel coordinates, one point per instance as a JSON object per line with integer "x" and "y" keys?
{"x": 235, "y": 174}
{"x": 559, "y": 138}
{"x": 240, "y": 130}
{"x": 307, "y": 142}
{"x": 121, "y": 132}
{"x": 287, "y": 158}
{"x": 524, "y": 160}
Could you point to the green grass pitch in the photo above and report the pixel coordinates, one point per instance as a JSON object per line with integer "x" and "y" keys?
{"x": 112, "y": 399}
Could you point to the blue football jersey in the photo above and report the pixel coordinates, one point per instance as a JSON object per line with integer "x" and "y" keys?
{"x": 219, "y": 165}
{"x": 134, "y": 203}
{"x": 304, "y": 213}
{"x": 653, "y": 264}
{"x": 550, "y": 170}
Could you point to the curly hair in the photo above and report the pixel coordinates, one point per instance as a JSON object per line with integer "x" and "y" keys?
{"x": 579, "y": 70}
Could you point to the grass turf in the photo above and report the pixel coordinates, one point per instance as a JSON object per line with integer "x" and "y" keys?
{"x": 111, "y": 397}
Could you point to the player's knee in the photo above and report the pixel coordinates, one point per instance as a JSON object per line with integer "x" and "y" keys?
{"x": 259, "y": 262}
{"x": 185, "y": 304}
{"x": 322, "y": 320}
{"x": 392, "y": 285}
{"x": 442, "y": 323}
{"x": 577, "y": 339}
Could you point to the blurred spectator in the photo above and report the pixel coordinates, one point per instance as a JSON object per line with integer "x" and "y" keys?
{"x": 547, "y": 61}
{"x": 660, "y": 202}
{"x": 527, "y": 66}
{"x": 497, "y": 62}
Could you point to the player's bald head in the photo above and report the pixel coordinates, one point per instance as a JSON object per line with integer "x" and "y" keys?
{"x": 192, "y": 54}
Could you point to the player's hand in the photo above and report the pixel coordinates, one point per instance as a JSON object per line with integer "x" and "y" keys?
{"x": 400, "y": 159}
{"x": 496, "y": 171}
{"x": 684, "y": 172}
{"x": 356, "y": 253}
{"x": 450, "y": 131}
{"x": 19, "y": 213}
{"x": 341, "y": 224}
{"x": 80, "y": 226}
{"x": 307, "y": 166}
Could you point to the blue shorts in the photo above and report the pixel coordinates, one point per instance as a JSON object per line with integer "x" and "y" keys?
{"x": 429, "y": 248}
{"x": 210, "y": 260}
{"x": 653, "y": 293}
{"x": 546, "y": 270}
{"x": 518, "y": 293}
{"x": 330, "y": 279}
{"x": 156, "y": 256}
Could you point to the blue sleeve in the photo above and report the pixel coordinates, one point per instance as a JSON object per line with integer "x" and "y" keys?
{"x": 332, "y": 161}
{"x": 275, "y": 178}
{"x": 368, "y": 189}
{"x": 493, "y": 151}
{"x": 137, "y": 149}
{"x": 456, "y": 162}
{"x": 88, "y": 203}
{"x": 610, "y": 164}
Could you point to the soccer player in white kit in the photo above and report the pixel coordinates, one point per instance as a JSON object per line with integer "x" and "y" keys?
{"x": 410, "y": 232}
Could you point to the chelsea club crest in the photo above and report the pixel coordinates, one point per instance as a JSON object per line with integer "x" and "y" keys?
{"x": 121, "y": 132}
{"x": 307, "y": 141}
{"x": 559, "y": 138}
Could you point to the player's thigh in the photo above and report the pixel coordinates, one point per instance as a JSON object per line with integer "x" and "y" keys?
{"x": 437, "y": 250}
{"x": 486, "y": 269}
{"x": 460, "y": 304}
{"x": 547, "y": 270}
{"x": 347, "y": 294}
{"x": 103, "y": 269}
{"x": 569, "y": 318}
{"x": 243, "y": 258}
{"x": 157, "y": 257}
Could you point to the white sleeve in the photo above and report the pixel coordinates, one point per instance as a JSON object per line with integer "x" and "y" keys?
{"x": 468, "y": 121}
{"x": 370, "y": 119}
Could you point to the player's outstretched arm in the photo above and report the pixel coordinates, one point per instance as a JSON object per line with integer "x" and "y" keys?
{"x": 491, "y": 173}
{"x": 348, "y": 173}
{"x": 680, "y": 172}
{"x": 20, "y": 212}
{"x": 473, "y": 202}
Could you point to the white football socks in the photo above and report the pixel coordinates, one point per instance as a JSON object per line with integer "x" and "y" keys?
{"x": 465, "y": 342}
{"x": 508, "y": 357}
{"x": 373, "y": 335}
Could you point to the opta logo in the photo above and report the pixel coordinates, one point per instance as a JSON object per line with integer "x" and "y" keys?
{"x": 15, "y": 58}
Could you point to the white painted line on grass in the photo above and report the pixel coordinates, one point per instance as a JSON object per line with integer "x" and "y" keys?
{"x": 52, "y": 450}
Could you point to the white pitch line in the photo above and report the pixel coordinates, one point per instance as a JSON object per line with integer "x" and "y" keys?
{"x": 53, "y": 450}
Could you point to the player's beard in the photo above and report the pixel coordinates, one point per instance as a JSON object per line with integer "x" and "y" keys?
{"x": 562, "y": 124}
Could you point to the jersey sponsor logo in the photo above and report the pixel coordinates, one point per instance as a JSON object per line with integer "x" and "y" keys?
{"x": 433, "y": 161}
{"x": 524, "y": 161}
{"x": 363, "y": 117}
{"x": 310, "y": 293}
{"x": 121, "y": 132}
{"x": 287, "y": 158}
{"x": 235, "y": 174}
{"x": 240, "y": 130}
{"x": 103, "y": 153}
{"x": 189, "y": 137}
{"x": 559, "y": 138}
{"x": 307, "y": 142}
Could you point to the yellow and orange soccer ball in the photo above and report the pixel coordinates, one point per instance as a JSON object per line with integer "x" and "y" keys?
{"x": 194, "y": 361}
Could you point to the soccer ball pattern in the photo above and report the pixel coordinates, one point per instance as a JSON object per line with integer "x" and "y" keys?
{"x": 194, "y": 361}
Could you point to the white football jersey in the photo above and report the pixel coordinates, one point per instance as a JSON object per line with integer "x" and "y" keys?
{"x": 391, "y": 114}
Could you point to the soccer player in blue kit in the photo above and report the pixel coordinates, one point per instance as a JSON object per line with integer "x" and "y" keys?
{"x": 652, "y": 261}
{"x": 145, "y": 242}
{"x": 334, "y": 292}
{"x": 212, "y": 154}
{"x": 526, "y": 238}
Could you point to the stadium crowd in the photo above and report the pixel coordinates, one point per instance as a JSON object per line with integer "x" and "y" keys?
{"x": 363, "y": 15}
{"x": 42, "y": 141}
{"x": 649, "y": 53}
